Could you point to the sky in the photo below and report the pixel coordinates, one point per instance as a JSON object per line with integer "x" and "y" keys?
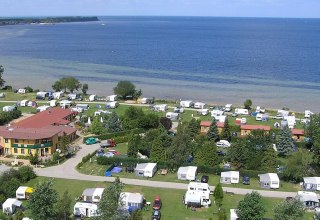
{"x": 225, "y": 8}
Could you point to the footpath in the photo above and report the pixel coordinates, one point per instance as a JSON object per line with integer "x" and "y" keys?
{"x": 67, "y": 170}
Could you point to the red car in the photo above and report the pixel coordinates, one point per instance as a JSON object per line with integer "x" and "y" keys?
{"x": 157, "y": 203}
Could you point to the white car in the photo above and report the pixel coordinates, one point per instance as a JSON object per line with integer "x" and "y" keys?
{"x": 223, "y": 143}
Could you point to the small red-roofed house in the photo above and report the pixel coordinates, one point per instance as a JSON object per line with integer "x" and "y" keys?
{"x": 297, "y": 134}
{"x": 205, "y": 125}
{"x": 246, "y": 129}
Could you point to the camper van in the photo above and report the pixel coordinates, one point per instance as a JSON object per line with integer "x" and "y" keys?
{"x": 228, "y": 107}
{"x": 92, "y": 98}
{"x": 187, "y": 104}
{"x": 83, "y": 209}
{"x": 112, "y": 98}
{"x": 200, "y": 105}
{"x": 24, "y": 103}
{"x": 173, "y": 116}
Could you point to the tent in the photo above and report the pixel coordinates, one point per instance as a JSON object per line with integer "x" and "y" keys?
{"x": 10, "y": 205}
{"x": 311, "y": 183}
{"x": 187, "y": 173}
{"x": 84, "y": 209}
{"x": 269, "y": 181}
{"x": 92, "y": 194}
{"x": 146, "y": 169}
{"x": 23, "y": 192}
{"x": 229, "y": 177}
{"x": 309, "y": 199}
{"x": 131, "y": 201}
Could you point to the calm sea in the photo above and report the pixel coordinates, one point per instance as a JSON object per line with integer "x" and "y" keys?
{"x": 275, "y": 62}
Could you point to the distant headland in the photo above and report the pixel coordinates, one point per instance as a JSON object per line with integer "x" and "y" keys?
{"x": 46, "y": 20}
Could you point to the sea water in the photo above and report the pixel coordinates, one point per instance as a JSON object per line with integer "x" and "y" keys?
{"x": 274, "y": 62}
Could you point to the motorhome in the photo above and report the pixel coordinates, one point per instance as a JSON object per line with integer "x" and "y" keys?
{"x": 203, "y": 112}
{"x": 24, "y": 103}
{"x": 42, "y": 108}
{"x": 65, "y": 103}
{"x": 160, "y": 108}
{"x": 84, "y": 209}
{"x": 146, "y": 101}
{"x": 228, "y": 107}
{"x": 198, "y": 195}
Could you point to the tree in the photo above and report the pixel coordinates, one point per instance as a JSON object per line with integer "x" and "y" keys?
{"x": 133, "y": 145}
{"x": 18, "y": 215}
{"x": 114, "y": 123}
{"x": 64, "y": 143}
{"x": 125, "y": 89}
{"x": 181, "y": 146}
{"x": 247, "y": 104}
{"x": 238, "y": 154}
{"x": 222, "y": 214}
{"x": 290, "y": 210}
{"x": 218, "y": 195}
{"x": 226, "y": 131}
{"x": 316, "y": 216}
{"x": 298, "y": 166}
{"x": 97, "y": 127}
{"x": 9, "y": 187}
{"x": 166, "y": 123}
{"x": 313, "y": 136}
{"x": 194, "y": 127}
{"x": 269, "y": 160}
{"x": 110, "y": 201}
{"x": 84, "y": 88}
{"x": 206, "y": 155}
{"x": 65, "y": 83}
{"x": 42, "y": 201}
{"x": 1, "y": 79}
{"x": 64, "y": 206}
{"x": 34, "y": 159}
{"x": 57, "y": 86}
{"x": 251, "y": 207}
{"x": 213, "y": 134}
{"x": 157, "y": 152}
{"x": 286, "y": 143}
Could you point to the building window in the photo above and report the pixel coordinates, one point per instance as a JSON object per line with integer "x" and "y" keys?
{"x": 15, "y": 150}
{"x": 6, "y": 140}
{"x": 29, "y": 151}
{"x": 16, "y": 140}
{"x": 47, "y": 150}
{"x": 37, "y": 141}
{"x": 22, "y": 151}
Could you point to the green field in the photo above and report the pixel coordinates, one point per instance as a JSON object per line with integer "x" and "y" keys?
{"x": 172, "y": 209}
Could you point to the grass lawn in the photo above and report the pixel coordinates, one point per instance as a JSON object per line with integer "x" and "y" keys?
{"x": 172, "y": 208}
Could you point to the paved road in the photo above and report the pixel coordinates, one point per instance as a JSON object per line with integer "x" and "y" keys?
{"x": 67, "y": 170}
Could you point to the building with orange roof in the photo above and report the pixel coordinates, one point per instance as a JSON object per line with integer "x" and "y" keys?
{"x": 297, "y": 134}
{"x": 39, "y": 134}
{"x": 205, "y": 125}
{"x": 247, "y": 129}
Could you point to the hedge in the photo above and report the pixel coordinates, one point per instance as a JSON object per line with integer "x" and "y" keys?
{"x": 85, "y": 159}
{"x": 115, "y": 134}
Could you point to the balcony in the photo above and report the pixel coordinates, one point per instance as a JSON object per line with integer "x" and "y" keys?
{"x": 30, "y": 146}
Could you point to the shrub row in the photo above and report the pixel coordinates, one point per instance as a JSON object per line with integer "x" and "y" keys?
{"x": 85, "y": 159}
{"x": 116, "y": 134}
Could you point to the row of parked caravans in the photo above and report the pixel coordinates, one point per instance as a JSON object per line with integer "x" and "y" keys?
{"x": 12, "y": 204}
{"x": 88, "y": 207}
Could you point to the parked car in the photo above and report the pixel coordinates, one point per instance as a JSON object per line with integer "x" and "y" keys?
{"x": 92, "y": 140}
{"x": 223, "y": 143}
{"x": 246, "y": 180}
{"x": 204, "y": 179}
{"x": 234, "y": 114}
{"x": 108, "y": 143}
{"x": 157, "y": 203}
{"x": 221, "y": 153}
{"x": 156, "y": 215}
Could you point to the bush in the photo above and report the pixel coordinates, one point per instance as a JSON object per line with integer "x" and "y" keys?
{"x": 26, "y": 173}
{"x": 119, "y": 160}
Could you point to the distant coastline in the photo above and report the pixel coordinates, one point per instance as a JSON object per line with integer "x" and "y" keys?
{"x": 47, "y": 20}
